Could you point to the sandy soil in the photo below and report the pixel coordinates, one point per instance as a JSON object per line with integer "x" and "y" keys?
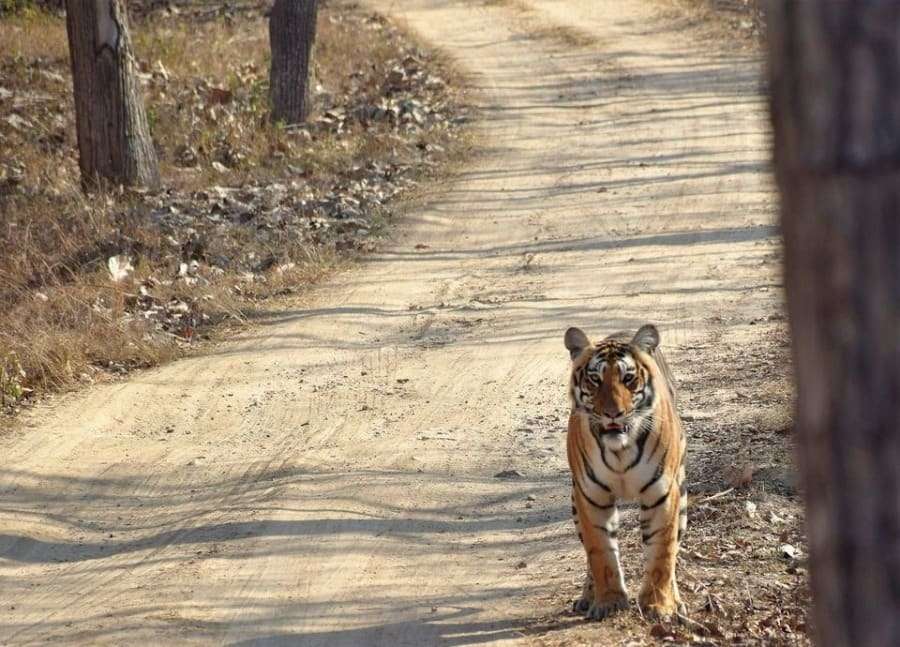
{"x": 329, "y": 477}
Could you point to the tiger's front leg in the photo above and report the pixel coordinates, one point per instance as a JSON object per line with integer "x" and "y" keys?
{"x": 597, "y": 521}
{"x": 663, "y": 519}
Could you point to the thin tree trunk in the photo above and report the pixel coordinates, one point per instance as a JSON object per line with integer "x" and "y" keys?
{"x": 292, "y": 34}
{"x": 113, "y": 136}
{"x": 835, "y": 93}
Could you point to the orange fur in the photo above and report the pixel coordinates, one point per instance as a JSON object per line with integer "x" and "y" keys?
{"x": 648, "y": 467}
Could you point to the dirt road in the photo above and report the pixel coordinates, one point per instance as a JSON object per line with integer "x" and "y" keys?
{"x": 329, "y": 477}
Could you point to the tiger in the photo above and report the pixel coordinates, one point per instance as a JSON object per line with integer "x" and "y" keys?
{"x": 625, "y": 441}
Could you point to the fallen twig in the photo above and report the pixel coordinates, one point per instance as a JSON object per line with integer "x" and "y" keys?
{"x": 717, "y": 495}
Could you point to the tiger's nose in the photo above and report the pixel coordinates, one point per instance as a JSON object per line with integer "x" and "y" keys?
{"x": 614, "y": 414}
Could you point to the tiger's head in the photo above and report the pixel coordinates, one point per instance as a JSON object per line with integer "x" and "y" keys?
{"x": 615, "y": 383}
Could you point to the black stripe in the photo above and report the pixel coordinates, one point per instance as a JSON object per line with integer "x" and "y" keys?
{"x": 603, "y": 458}
{"x": 590, "y": 472}
{"x": 612, "y": 534}
{"x": 646, "y": 537}
{"x": 594, "y": 503}
{"x": 641, "y": 441}
{"x": 574, "y": 511}
{"x": 656, "y": 475}
{"x": 648, "y": 391}
{"x": 658, "y": 502}
{"x": 656, "y": 446}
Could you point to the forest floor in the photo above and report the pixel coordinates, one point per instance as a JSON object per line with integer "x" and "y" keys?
{"x": 382, "y": 462}
{"x": 92, "y": 287}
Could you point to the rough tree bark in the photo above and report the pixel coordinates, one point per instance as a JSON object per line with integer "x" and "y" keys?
{"x": 835, "y": 102}
{"x": 113, "y": 136}
{"x": 292, "y": 34}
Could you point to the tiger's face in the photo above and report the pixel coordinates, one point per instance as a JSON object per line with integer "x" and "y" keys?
{"x": 612, "y": 385}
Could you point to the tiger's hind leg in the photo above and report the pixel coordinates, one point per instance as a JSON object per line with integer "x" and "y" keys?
{"x": 597, "y": 521}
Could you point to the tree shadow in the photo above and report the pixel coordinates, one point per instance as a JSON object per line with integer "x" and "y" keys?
{"x": 442, "y": 628}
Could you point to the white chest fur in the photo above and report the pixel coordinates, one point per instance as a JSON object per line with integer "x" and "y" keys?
{"x": 627, "y": 471}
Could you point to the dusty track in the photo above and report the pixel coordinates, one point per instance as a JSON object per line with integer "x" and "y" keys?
{"x": 329, "y": 477}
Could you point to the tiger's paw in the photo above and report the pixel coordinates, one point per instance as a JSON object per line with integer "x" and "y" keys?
{"x": 660, "y": 608}
{"x": 582, "y": 604}
{"x": 606, "y": 606}
{"x": 659, "y": 613}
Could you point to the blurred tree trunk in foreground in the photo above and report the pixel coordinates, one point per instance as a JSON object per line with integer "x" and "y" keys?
{"x": 113, "y": 137}
{"x": 835, "y": 97}
{"x": 292, "y": 35}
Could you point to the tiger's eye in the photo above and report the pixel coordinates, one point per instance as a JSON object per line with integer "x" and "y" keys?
{"x": 628, "y": 379}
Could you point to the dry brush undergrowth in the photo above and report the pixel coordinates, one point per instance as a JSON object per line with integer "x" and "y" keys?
{"x": 732, "y": 23}
{"x": 102, "y": 283}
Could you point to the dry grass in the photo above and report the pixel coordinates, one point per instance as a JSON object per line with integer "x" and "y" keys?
{"x": 33, "y": 34}
{"x": 724, "y": 24}
{"x": 63, "y": 321}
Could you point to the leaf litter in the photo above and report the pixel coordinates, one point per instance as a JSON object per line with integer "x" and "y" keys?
{"x": 248, "y": 210}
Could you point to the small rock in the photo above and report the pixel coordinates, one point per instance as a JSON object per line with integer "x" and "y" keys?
{"x": 521, "y": 565}
{"x": 789, "y": 552}
{"x": 750, "y": 507}
{"x": 120, "y": 267}
{"x": 18, "y": 123}
{"x": 509, "y": 474}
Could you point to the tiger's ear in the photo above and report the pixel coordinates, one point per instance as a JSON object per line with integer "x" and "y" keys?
{"x": 646, "y": 338}
{"x": 576, "y": 341}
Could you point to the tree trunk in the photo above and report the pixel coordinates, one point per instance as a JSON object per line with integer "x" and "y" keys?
{"x": 835, "y": 96}
{"x": 292, "y": 34}
{"x": 113, "y": 136}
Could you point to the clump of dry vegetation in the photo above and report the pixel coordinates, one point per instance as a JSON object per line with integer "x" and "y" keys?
{"x": 723, "y": 21}
{"x": 102, "y": 283}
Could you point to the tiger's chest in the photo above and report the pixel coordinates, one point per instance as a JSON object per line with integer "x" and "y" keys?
{"x": 627, "y": 471}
